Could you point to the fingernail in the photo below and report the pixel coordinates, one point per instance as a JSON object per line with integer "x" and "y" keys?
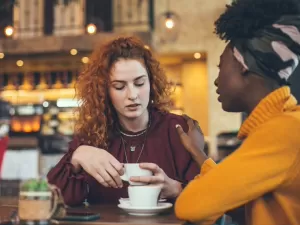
{"x": 177, "y": 125}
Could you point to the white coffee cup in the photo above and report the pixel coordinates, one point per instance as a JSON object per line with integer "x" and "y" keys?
{"x": 132, "y": 170}
{"x": 144, "y": 196}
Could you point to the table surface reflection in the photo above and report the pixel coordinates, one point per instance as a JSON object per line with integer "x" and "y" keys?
{"x": 109, "y": 214}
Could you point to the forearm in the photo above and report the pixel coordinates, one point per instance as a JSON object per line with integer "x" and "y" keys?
{"x": 75, "y": 160}
{"x": 171, "y": 189}
{"x": 177, "y": 188}
{"x": 200, "y": 158}
{"x": 204, "y": 191}
{"x": 73, "y": 186}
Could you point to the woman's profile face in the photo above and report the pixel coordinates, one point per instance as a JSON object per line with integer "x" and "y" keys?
{"x": 129, "y": 88}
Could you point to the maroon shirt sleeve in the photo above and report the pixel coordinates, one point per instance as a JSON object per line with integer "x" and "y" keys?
{"x": 74, "y": 187}
{"x": 186, "y": 167}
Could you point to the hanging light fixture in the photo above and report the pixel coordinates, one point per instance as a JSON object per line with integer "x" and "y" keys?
{"x": 8, "y": 31}
{"x": 91, "y": 28}
{"x": 168, "y": 26}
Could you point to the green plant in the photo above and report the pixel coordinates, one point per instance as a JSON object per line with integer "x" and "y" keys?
{"x": 36, "y": 185}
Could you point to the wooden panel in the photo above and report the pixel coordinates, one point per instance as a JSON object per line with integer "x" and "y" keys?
{"x": 22, "y": 142}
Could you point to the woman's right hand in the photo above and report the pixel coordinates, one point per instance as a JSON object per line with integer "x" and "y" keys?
{"x": 193, "y": 140}
{"x": 100, "y": 164}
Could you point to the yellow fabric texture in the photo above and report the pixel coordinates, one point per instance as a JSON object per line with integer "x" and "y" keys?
{"x": 263, "y": 174}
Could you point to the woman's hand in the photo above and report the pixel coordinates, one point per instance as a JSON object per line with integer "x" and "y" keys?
{"x": 100, "y": 164}
{"x": 193, "y": 140}
{"x": 170, "y": 188}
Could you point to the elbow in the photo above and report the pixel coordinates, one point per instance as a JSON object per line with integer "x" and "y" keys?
{"x": 194, "y": 213}
{"x": 72, "y": 191}
{"x": 188, "y": 210}
{"x": 183, "y": 210}
{"x": 72, "y": 197}
{"x": 73, "y": 202}
{"x": 180, "y": 214}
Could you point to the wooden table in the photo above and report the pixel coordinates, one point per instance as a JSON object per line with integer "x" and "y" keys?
{"x": 110, "y": 215}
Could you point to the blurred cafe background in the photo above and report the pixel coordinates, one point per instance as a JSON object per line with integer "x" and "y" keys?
{"x": 44, "y": 44}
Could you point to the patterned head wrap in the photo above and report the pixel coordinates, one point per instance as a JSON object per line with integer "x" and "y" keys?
{"x": 274, "y": 51}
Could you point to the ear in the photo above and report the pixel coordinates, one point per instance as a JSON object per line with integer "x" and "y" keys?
{"x": 244, "y": 71}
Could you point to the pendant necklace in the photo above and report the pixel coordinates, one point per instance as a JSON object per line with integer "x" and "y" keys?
{"x": 133, "y": 147}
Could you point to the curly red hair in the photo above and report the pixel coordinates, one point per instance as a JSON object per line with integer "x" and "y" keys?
{"x": 96, "y": 114}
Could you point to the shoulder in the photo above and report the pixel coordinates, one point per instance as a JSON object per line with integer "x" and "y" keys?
{"x": 282, "y": 129}
{"x": 170, "y": 120}
{"x": 174, "y": 118}
{"x": 75, "y": 143}
{"x": 284, "y": 122}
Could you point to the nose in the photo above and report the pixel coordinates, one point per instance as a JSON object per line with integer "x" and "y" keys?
{"x": 132, "y": 93}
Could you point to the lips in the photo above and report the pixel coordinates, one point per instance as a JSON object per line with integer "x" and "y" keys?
{"x": 133, "y": 105}
{"x": 219, "y": 99}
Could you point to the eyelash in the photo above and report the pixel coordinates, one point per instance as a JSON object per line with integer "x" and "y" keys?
{"x": 139, "y": 85}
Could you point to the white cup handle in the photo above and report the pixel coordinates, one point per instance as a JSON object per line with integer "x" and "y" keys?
{"x": 124, "y": 176}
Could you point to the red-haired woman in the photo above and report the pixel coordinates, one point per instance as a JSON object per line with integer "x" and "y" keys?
{"x": 123, "y": 118}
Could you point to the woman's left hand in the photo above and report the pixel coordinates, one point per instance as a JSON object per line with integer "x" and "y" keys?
{"x": 170, "y": 188}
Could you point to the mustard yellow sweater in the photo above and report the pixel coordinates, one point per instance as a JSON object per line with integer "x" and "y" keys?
{"x": 263, "y": 174}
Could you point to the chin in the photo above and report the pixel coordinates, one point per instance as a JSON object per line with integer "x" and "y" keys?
{"x": 133, "y": 114}
{"x": 229, "y": 108}
{"x": 225, "y": 108}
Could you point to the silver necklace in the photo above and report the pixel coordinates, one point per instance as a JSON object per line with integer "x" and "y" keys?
{"x": 133, "y": 135}
{"x": 132, "y": 148}
{"x": 142, "y": 149}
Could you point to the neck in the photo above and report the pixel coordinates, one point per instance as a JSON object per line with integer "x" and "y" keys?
{"x": 260, "y": 90}
{"x": 135, "y": 125}
{"x": 256, "y": 97}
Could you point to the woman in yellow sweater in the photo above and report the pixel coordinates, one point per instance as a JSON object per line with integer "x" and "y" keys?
{"x": 264, "y": 173}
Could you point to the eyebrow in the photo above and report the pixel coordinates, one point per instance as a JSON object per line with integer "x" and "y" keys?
{"x": 122, "y": 81}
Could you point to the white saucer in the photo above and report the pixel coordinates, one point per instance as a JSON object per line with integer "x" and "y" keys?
{"x": 145, "y": 211}
{"x": 126, "y": 200}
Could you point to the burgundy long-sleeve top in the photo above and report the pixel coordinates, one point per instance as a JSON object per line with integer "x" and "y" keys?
{"x": 162, "y": 147}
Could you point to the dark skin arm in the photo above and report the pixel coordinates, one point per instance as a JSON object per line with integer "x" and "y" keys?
{"x": 193, "y": 141}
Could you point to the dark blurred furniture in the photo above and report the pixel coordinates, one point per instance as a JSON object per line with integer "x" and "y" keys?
{"x": 5, "y": 110}
{"x": 227, "y": 142}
